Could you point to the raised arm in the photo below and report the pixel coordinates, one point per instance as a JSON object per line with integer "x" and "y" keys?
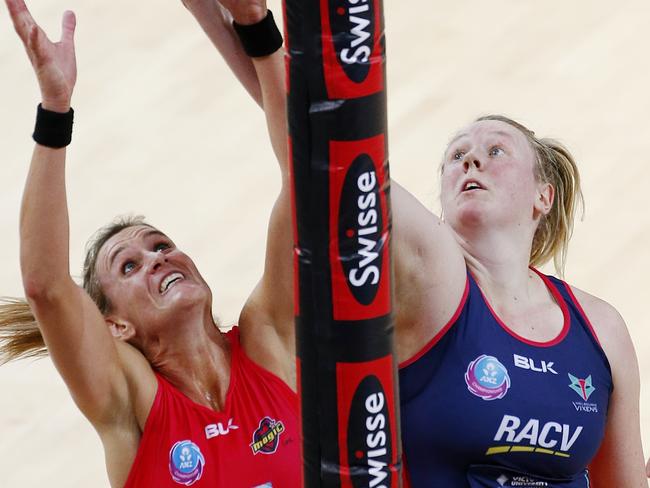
{"x": 428, "y": 262}
{"x": 216, "y": 22}
{"x": 266, "y": 320}
{"x": 262, "y": 77}
{"x": 74, "y": 331}
{"x": 429, "y": 265}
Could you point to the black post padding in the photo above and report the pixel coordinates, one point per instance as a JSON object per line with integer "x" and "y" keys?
{"x": 339, "y": 160}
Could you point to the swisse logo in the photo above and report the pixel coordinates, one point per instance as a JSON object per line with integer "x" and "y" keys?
{"x": 360, "y": 226}
{"x": 369, "y": 437}
{"x": 353, "y": 33}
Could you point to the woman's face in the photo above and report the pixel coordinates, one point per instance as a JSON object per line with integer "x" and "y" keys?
{"x": 488, "y": 178}
{"x": 147, "y": 280}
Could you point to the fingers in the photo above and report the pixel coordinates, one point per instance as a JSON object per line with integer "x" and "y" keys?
{"x": 33, "y": 41}
{"x": 36, "y": 44}
{"x": 21, "y": 18}
{"x": 68, "y": 25}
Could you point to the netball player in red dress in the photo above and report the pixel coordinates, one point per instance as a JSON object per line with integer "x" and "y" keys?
{"x": 174, "y": 401}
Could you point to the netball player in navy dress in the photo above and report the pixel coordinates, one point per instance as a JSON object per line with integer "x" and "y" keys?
{"x": 508, "y": 377}
{"x": 524, "y": 380}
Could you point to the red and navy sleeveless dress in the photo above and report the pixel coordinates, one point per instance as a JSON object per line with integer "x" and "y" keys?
{"x": 253, "y": 443}
{"x": 483, "y": 407}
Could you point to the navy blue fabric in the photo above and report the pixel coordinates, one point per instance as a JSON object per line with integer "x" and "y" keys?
{"x": 492, "y": 477}
{"x": 481, "y": 396}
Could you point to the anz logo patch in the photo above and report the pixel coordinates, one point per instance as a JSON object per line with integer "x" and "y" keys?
{"x": 186, "y": 462}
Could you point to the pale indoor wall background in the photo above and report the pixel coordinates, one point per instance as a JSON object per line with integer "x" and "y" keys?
{"x": 163, "y": 129}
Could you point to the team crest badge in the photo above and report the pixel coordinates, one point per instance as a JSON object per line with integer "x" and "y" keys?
{"x": 267, "y": 436}
{"x": 584, "y": 388}
{"x": 487, "y": 378}
{"x": 186, "y": 463}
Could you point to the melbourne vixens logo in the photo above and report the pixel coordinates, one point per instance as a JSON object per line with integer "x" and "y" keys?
{"x": 582, "y": 387}
{"x": 186, "y": 463}
{"x": 487, "y": 378}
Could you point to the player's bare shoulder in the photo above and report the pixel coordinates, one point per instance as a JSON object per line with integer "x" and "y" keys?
{"x": 608, "y": 324}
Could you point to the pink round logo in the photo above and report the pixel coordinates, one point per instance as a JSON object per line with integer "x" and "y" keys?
{"x": 487, "y": 378}
{"x": 186, "y": 463}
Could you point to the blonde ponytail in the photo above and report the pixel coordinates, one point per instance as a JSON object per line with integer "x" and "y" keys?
{"x": 20, "y": 336}
{"x": 558, "y": 168}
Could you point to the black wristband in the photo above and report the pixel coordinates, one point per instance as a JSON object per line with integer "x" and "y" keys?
{"x": 260, "y": 39}
{"x": 53, "y": 129}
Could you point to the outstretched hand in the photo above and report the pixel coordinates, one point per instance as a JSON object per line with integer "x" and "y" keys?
{"x": 243, "y": 11}
{"x": 54, "y": 63}
{"x": 246, "y": 12}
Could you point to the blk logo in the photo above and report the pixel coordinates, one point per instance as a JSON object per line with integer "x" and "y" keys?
{"x": 215, "y": 430}
{"x": 529, "y": 363}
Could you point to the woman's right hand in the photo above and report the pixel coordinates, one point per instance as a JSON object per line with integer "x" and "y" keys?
{"x": 54, "y": 63}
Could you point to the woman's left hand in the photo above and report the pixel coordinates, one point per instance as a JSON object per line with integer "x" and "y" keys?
{"x": 245, "y": 12}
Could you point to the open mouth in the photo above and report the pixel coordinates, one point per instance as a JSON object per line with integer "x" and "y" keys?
{"x": 169, "y": 281}
{"x": 471, "y": 186}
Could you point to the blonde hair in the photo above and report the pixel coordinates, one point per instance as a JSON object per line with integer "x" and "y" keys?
{"x": 555, "y": 165}
{"x": 20, "y": 337}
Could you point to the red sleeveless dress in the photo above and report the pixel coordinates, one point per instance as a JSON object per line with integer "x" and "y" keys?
{"x": 253, "y": 443}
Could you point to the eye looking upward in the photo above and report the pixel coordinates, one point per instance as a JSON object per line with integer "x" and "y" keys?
{"x": 130, "y": 264}
{"x": 127, "y": 267}
{"x": 458, "y": 155}
{"x": 496, "y": 151}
